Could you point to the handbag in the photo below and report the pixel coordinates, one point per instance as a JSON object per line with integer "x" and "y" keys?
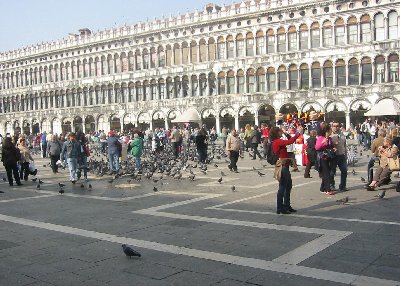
{"x": 394, "y": 164}
{"x": 329, "y": 153}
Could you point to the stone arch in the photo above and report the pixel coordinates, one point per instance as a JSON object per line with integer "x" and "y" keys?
{"x": 143, "y": 120}
{"x": 246, "y": 116}
{"x": 56, "y": 124}
{"x": 158, "y": 119}
{"x": 266, "y": 114}
{"x": 312, "y": 106}
{"x": 46, "y": 125}
{"x": 208, "y": 117}
{"x": 78, "y": 124}
{"x": 90, "y": 124}
{"x": 335, "y": 110}
{"x": 288, "y": 108}
{"x": 227, "y": 117}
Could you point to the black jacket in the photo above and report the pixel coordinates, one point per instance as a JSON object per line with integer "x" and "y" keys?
{"x": 10, "y": 156}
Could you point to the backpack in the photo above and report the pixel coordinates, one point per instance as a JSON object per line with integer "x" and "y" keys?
{"x": 272, "y": 158}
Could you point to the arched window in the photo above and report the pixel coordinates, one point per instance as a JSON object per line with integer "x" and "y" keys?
{"x": 260, "y": 43}
{"x": 339, "y": 32}
{"x": 153, "y": 58}
{"x": 203, "y": 50}
{"x": 110, "y": 62}
{"x": 293, "y": 77}
{"x": 138, "y": 60}
{"x": 239, "y": 45}
{"x": 304, "y": 76}
{"x": 352, "y": 33}
{"x": 231, "y": 47}
{"x": 230, "y": 77}
{"x": 146, "y": 90}
{"x": 366, "y": 71}
{"x": 380, "y": 70}
{"x": 177, "y": 87}
{"x": 170, "y": 88}
{"x": 146, "y": 59}
{"x": 240, "y": 81}
{"x": 303, "y": 37}
{"x": 185, "y": 53}
{"x": 365, "y": 29}
{"x": 281, "y": 40}
{"x": 131, "y": 61}
{"x": 393, "y": 68}
{"x": 251, "y": 80}
{"x": 282, "y": 78}
{"x": 193, "y": 52}
{"x": 353, "y": 68}
{"x": 315, "y": 35}
{"x": 139, "y": 91}
{"x": 153, "y": 89}
{"x": 379, "y": 27}
{"x": 327, "y": 34}
{"x": 177, "y": 55}
{"x": 393, "y": 25}
{"x": 271, "y": 79}
{"x": 161, "y": 89}
{"x": 340, "y": 73}
{"x": 203, "y": 84}
{"x": 260, "y": 80}
{"x": 221, "y": 48}
{"x": 292, "y": 38}
{"x": 161, "y": 57}
{"x": 328, "y": 74}
{"x": 211, "y": 49}
{"x": 168, "y": 55}
{"x": 249, "y": 44}
{"x": 221, "y": 83}
{"x": 270, "y": 41}
{"x": 195, "y": 85}
{"x": 316, "y": 75}
{"x": 131, "y": 91}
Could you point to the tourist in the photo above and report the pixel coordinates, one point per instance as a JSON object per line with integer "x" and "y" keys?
{"x": 224, "y": 135}
{"x": 326, "y": 153}
{"x": 311, "y": 153}
{"x": 113, "y": 152}
{"x": 137, "y": 149}
{"x": 175, "y": 138}
{"x": 54, "y": 150}
{"x": 282, "y": 172}
{"x": 26, "y": 158}
{"x": 201, "y": 145}
{"x": 10, "y": 156}
{"x": 376, "y": 144}
{"x": 233, "y": 148}
{"x": 44, "y": 144}
{"x": 84, "y": 154}
{"x": 71, "y": 152}
{"x": 255, "y": 138}
{"x": 340, "y": 159}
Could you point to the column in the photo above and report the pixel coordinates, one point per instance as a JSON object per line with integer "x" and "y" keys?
{"x": 218, "y": 124}
{"x": 237, "y": 122}
{"x": 347, "y": 119}
{"x": 166, "y": 122}
{"x": 373, "y": 71}
{"x": 256, "y": 119}
{"x": 151, "y": 125}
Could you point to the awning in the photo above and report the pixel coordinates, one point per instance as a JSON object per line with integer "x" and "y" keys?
{"x": 384, "y": 107}
{"x": 190, "y": 115}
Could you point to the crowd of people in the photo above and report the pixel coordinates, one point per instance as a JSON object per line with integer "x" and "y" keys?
{"x": 324, "y": 147}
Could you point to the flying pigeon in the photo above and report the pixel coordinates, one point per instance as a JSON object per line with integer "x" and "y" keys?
{"x": 344, "y": 200}
{"x": 130, "y": 252}
{"x": 260, "y": 174}
{"x": 220, "y": 180}
{"x": 61, "y": 185}
{"x": 381, "y": 195}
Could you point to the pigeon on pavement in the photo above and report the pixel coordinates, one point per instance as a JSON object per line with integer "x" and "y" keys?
{"x": 381, "y": 195}
{"x": 344, "y": 200}
{"x": 130, "y": 252}
{"x": 233, "y": 188}
{"x": 220, "y": 180}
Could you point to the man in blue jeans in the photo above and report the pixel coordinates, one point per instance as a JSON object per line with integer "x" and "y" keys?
{"x": 340, "y": 160}
{"x": 71, "y": 151}
{"x": 114, "y": 149}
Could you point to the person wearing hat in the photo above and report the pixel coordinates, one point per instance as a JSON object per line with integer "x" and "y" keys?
{"x": 71, "y": 152}
{"x": 313, "y": 124}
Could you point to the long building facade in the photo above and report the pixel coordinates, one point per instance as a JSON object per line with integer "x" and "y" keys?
{"x": 235, "y": 64}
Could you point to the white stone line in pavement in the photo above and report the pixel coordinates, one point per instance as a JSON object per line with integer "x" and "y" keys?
{"x": 325, "y": 275}
{"x": 313, "y": 216}
{"x": 257, "y": 196}
{"x": 269, "y": 183}
{"x": 311, "y": 248}
{"x": 28, "y": 198}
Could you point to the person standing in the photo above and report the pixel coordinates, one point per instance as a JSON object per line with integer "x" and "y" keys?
{"x": 175, "y": 138}
{"x": 255, "y": 140}
{"x": 84, "y": 153}
{"x": 113, "y": 152}
{"x": 44, "y": 144}
{"x": 224, "y": 134}
{"x": 233, "y": 148}
{"x": 282, "y": 172}
{"x": 71, "y": 151}
{"x": 10, "y": 156}
{"x": 311, "y": 153}
{"x": 26, "y": 157}
{"x": 325, "y": 150}
{"x": 54, "y": 151}
{"x": 264, "y": 138}
{"x": 201, "y": 145}
{"x": 137, "y": 150}
{"x": 340, "y": 160}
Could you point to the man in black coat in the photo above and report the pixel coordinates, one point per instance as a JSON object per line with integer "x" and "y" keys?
{"x": 10, "y": 155}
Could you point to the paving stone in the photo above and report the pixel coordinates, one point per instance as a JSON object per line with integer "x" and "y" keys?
{"x": 191, "y": 278}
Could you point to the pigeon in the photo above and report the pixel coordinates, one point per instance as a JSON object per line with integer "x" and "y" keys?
{"x": 34, "y": 180}
{"x": 220, "y": 180}
{"x": 129, "y": 181}
{"x": 155, "y": 181}
{"x": 61, "y": 185}
{"x": 362, "y": 179}
{"x": 191, "y": 177}
{"x": 44, "y": 166}
{"x": 233, "y": 188}
{"x": 367, "y": 156}
{"x": 354, "y": 172}
{"x": 155, "y": 189}
{"x": 215, "y": 165}
{"x": 360, "y": 153}
{"x": 130, "y": 252}
{"x": 381, "y": 195}
{"x": 1, "y": 192}
{"x": 179, "y": 176}
{"x": 40, "y": 181}
{"x": 111, "y": 181}
{"x": 260, "y": 174}
{"x": 61, "y": 191}
{"x": 82, "y": 186}
{"x": 4, "y": 179}
{"x": 90, "y": 186}
{"x": 344, "y": 200}
{"x": 38, "y": 186}
{"x": 223, "y": 174}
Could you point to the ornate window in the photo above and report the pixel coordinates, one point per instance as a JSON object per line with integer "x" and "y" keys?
{"x": 393, "y": 25}
{"x": 239, "y": 46}
{"x": 379, "y": 27}
{"x": 316, "y": 75}
{"x": 292, "y": 38}
{"x": 304, "y": 76}
{"x": 328, "y": 74}
{"x": 393, "y": 68}
{"x": 365, "y": 29}
{"x": 281, "y": 40}
{"x": 230, "y": 82}
{"x": 221, "y": 83}
{"x": 366, "y": 71}
{"x": 270, "y": 41}
{"x": 271, "y": 79}
{"x": 231, "y": 47}
{"x": 315, "y": 35}
{"x": 380, "y": 70}
{"x": 282, "y": 78}
{"x": 340, "y": 73}
{"x": 260, "y": 80}
{"x": 221, "y": 48}
{"x": 327, "y": 34}
{"x": 240, "y": 81}
{"x": 249, "y": 45}
{"x": 260, "y": 43}
{"x": 352, "y": 33}
{"x": 339, "y": 32}
{"x": 251, "y": 81}
{"x": 353, "y": 69}
{"x": 293, "y": 77}
{"x": 304, "y": 37}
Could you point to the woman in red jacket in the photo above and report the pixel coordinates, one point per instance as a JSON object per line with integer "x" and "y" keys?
{"x": 282, "y": 169}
